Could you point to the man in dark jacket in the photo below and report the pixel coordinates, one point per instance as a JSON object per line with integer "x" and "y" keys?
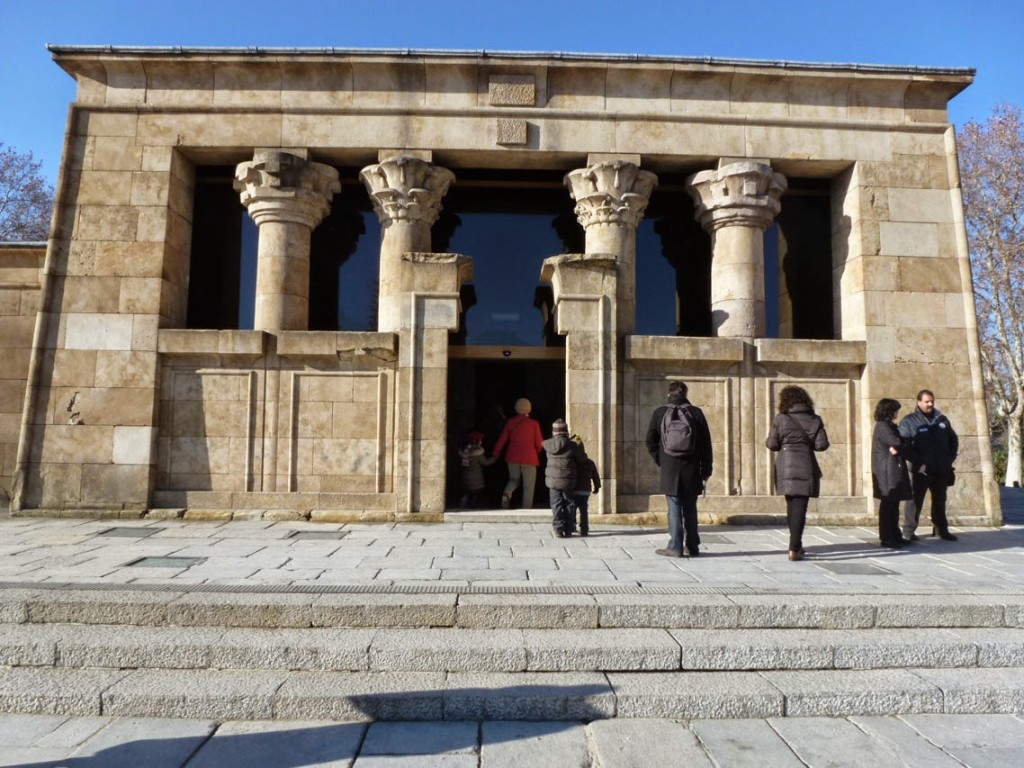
{"x": 565, "y": 458}
{"x": 683, "y": 475}
{"x": 934, "y": 446}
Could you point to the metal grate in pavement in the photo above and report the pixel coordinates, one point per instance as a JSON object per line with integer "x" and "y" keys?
{"x": 165, "y": 562}
{"x": 855, "y": 569}
{"x": 454, "y": 589}
{"x": 125, "y": 532}
{"x": 318, "y": 535}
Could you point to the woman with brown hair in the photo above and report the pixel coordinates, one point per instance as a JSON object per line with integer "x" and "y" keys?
{"x": 796, "y": 433}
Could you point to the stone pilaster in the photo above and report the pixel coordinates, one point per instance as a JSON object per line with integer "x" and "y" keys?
{"x": 429, "y": 311}
{"x": 406, "y": 193}
{"x": 610, "y": 201}
{"x": 735, "y": 204}
{"x": 287, "y": 196}
{"x": 584, "y": 287}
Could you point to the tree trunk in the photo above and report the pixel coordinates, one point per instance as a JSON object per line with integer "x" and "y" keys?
{"x": 1014, "y": 448}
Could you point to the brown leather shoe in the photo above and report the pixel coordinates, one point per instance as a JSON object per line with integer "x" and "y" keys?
{"x": 794, "y": 556}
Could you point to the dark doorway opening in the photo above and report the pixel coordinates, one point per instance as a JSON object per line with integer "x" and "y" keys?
{"x": 482, "y": 391}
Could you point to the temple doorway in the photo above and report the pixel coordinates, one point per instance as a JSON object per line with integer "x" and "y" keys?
{"x": 483, "y": 386}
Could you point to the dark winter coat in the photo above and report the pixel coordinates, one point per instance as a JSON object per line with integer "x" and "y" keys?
{"x": 587, "y": 477}
{"x": 565, "y": 458}
{"x": 681, "y": 475}
{"x": 933, "y": 442}
{"x": 795, "y": 436}
{"x": 473, "y": 462}
{"x": 889, "y": 475}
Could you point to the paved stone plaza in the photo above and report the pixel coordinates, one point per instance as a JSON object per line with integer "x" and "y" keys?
{"x": 273, "y": 574}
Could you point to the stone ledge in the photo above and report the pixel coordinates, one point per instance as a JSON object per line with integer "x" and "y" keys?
{"x": 176, "y": 341}
{"x": 680, "y": 349}
{"x": 823, "y": 352}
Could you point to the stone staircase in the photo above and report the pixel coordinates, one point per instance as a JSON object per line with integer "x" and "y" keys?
{"x": 478, "y": 653}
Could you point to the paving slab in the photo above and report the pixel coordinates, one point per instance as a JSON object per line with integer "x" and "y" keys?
{"x": 639, "y": 743}
{"x": 911, "y": 747}
{"x": 421, "y": 738}
{"x": 745, "y": 742}
{"x": 820, "y": 740}
{"x": 154, "y": 743}
{"x": 247, "y": 744}
{"x": 519, "y": 744}
{"x": 694, "y": 695}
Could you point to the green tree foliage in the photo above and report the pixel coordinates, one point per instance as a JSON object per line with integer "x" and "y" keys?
{"x": 992, "y": 179}
{"x": 26, "y": 200}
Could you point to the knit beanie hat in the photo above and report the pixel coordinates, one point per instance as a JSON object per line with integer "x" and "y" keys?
{"x": 560, "y": 427}
{"x": 523, "y": 405}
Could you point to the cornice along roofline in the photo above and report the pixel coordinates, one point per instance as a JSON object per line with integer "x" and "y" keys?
{"x": 214, "y": 52}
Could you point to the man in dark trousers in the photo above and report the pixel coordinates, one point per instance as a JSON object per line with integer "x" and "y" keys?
{"x": 679, "y": 441}
{"x": 934, "y": 446}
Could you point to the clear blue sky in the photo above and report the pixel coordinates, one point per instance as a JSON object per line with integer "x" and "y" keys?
{"x": 987, "y": 35}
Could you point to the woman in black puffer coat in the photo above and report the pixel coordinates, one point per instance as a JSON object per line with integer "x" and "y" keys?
{"x": 889, "y": 474}
{"x": 796, "y": 433}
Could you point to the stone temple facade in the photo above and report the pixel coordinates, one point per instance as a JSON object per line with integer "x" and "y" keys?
{"x": 739, "y": 225}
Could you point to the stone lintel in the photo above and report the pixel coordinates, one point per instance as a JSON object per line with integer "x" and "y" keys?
{"x": 426, "y": 155}
{"x": 595, "y": 158}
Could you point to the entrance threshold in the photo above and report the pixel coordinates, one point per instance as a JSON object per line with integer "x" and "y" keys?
{"x": 498, "y": 516}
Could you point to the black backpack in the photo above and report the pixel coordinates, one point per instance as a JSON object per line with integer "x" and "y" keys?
{"x": 678, "y": 436}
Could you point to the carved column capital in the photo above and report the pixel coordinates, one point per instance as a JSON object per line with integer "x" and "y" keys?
{"x": 615, "y": 192}
{"x": 280, "y": 186}
{"x": 739, "y": 194}
{"x": 404, "y": 187}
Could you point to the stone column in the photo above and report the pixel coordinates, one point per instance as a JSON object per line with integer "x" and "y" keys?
{"x": 429, "y": 312}
{"x": 611, "y": 197}
{"x": 736, "y": 203}
{"x": 287, "y": 196}
{"x": 406, "y": 192}
{"x": 585, "y": 286}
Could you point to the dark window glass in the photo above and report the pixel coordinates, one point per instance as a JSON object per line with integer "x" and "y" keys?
{"x": 508, "y": 224}
{"x": 215, "y": 267}
{"x": 804, "y": 244}
{"x": 673, "y": 266}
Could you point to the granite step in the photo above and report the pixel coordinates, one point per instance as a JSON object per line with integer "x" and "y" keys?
{"x": 477, "y": 650}
{"x": 503, "y": 608}
{"x": 363, "y": 696}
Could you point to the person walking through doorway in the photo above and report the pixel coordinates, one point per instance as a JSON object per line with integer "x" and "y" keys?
{"x": 679, "y": 441}
{"x": 522, "y": 436}
{"x": 797, "y": 432}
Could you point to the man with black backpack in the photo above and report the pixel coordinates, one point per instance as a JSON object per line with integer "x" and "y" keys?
{"x": 679, "y": 441}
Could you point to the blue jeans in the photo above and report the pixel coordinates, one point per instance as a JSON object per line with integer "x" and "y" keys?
{"x": 582, "y": 502}
{"x": 563, "y": 511}
{"x": 682, "y": 523}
